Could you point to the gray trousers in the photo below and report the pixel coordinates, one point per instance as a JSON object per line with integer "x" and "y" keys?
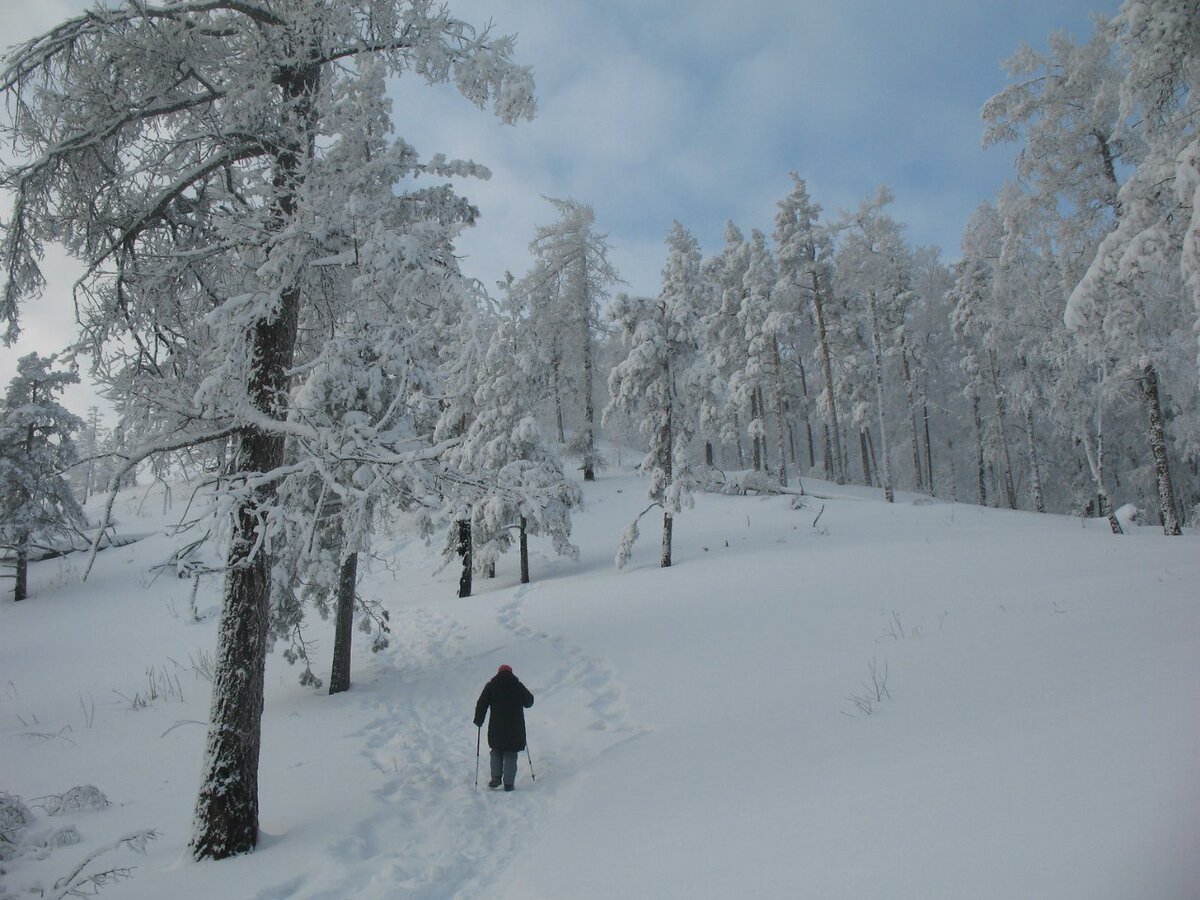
{"x": 504, "y": 764}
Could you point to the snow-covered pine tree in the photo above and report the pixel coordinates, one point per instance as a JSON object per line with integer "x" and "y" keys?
{"x": 664, "y": 380}
{"x": 179, "y": 152}
{"x": 873, "y": 266}
{"x": 804, "y": 251}
{"x": 37, "y": 507}
{"x": 504, "y": 469}
{"x": 724, "y": 341}
{"x": 571, "y": 266}
{"x": 767, "y": 322}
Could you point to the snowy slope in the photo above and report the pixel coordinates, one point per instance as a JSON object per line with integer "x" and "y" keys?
{"x": 698, "y": 731}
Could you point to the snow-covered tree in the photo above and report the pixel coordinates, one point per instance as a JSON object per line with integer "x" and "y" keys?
{"x": 804, "y": 255}
{"x": 189, "y": 155}
{"x": 873, "y": 265}
{"x": 512, "y": 481}
{"x": 724, "y": 341}
{"x": 767, "y": 323}
{"x": 36, "y": 447}
{"x": 1079, "y": 134}
{"x": 568, "y": 283}
{"x": 665, "y": 380}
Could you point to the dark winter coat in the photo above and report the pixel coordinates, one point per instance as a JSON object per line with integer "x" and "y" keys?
{"x": 508, "y": 700}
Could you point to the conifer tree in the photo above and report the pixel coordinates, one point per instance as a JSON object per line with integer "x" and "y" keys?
{"x": 37, "y": 446}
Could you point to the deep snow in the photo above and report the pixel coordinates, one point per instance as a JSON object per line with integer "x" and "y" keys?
{"x": 696, "y": 731}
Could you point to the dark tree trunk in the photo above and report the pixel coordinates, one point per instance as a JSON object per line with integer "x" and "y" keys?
{"x": 883, "y": 462}
{"x": 524, "y": 544}
{"x": 980, "y": 468}
{"x": 756, "y": 460}
{"x": 226, "y": 817}
{"x": 928, "y": 443}
{"x": 910, "y": 397}
{"x": 866, "y": 458}
{"x": 668, "y": 471}
{"x": 589, "y": 412}
{"x": 812, "y": 453}
{"x": 874, "y": 458}
{"x": 339, "y": 675}
{"x": 839, "y": 469}
{"x": 1158, "y": 449}
{"x": 464, "y": 550}
{"x": 708, "y": 453}
{"x": 21, "y": 574}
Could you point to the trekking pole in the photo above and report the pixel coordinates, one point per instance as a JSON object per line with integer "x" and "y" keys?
{"x": 478, "y": 733}
{"x": 530, "y": 758}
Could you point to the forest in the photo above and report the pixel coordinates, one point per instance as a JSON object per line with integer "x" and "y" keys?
{"x": 272, "y": 304}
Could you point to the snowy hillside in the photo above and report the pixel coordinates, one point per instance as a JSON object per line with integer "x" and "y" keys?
{"x": 912, "y": 701}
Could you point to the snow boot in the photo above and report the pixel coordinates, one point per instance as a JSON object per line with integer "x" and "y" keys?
{"x": 509, "y": 787}
{"x": 494, "y": 783}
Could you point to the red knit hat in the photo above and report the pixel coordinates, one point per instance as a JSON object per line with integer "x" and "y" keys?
{"x": 504, "y": 669}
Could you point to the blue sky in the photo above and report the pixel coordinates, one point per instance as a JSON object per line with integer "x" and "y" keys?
{"x": 653, "y": 110}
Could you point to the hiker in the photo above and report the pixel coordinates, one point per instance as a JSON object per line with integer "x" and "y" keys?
{"x": 508, "y": 700}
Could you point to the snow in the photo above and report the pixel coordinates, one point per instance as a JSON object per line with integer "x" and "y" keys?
{"x": 695, "y": 732}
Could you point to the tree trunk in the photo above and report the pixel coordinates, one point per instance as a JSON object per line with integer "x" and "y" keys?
{"x": 839, "y": 469}
{"x": 871, "y": 455}
{"x": 1035, "y": 472}
{"x": 558, "y": 410}
{"x": 589, "y": 413}
{"x": 1158, "y": 449}
{"x": 812, "y": 454}
{"x": 464, "y": 550}
{"x": 866, "y": 457}
{"x": 1095, "y": 458}
{"x": 781, "y": 425}
{"x": 226, "y": 817}
{"x": 666, "y": 462}
{"x": 524, "y": 544}
{"x": 910, "y": 397}
{"x": 339, "y": 675}
{"x": 1010, "y": 491}
{"x": 21, "y": 573}
{"x": 928, "y": 443}
{"x": 885, "y": 466}
{"x": 755, "y": 425}
{"x": 980, "y": 468}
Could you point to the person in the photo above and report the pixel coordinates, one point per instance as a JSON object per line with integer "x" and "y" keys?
{"x": 508, "y": 699}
